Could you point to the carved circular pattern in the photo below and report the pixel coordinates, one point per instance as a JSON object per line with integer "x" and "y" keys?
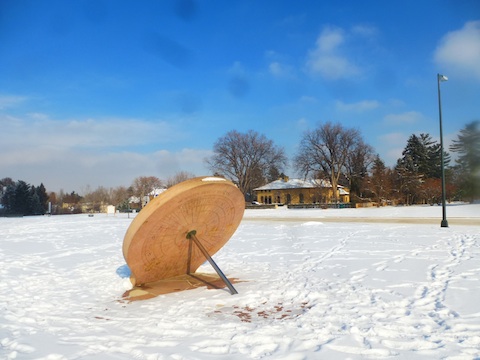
{"x": 155, "y": 246}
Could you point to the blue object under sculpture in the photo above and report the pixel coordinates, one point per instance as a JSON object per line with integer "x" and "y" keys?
{"x": 124, "y": 271}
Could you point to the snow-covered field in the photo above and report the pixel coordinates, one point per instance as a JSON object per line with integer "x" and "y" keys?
{"x": 314, "y": 284}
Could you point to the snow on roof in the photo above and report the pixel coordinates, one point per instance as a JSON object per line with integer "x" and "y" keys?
{"x": 156, "y": 192}
{"x": 282, "y": 184}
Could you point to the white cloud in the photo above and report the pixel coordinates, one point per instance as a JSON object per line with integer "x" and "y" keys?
{"x": 409, "y": 117}
{"x": 275, "y": 69}
{"x": 459, "y": 51}
{"x": 358, "y": 107}
{"x": 9, "y": 101}
{"x": 41, "y": 131}
{"x": 280, "y": 70}
{"x": 191, "y": 160}
{"x": 330, "y": 39}
{"x": 327, "y": 59}
{"x": 396, "y": 103}
{"x": 74, "y": 170}
{"x": 237, "y": 68}
{"x": 72, "y": 154}
{"x": 38, "y": 116}
{"x": 395, "y": 138}
{"x": 308, "y": 99}
{"x": 278, "y": 65}
{"x": 391, "y": 147}
{"x": 366, "y": 31}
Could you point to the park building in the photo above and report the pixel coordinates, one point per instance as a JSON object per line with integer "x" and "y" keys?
{"x": 298, "y": 191}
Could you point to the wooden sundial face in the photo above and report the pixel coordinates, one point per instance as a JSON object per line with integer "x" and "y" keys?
{"x": 156, "y": 247}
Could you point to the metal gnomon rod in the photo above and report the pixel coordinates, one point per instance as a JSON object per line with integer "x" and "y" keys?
{"x": 191, "y": 235}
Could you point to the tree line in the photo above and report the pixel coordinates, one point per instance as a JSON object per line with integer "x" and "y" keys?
{"x": 330, "y": 151}
{"x": 18, "y": 198}
{"x": 339, "y": 154}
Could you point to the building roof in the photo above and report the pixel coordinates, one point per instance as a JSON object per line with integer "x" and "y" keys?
{"x": 155, "y": 192}
{"x": 283, "y": 184}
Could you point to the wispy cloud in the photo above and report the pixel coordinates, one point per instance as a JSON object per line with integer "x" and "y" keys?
{"x": 459, "y": 50}
{"x": 395, "y": 138}
{"x": 278, "y": 65}
{"x": 239, "y": 83}
{"x": 307, "y": 99}
{"x": 301, "y": 123}
{"x": 70, "y": 154}
{"x": 9, "y": 101}
{"x": 409, "y": 117}
{"x": 327, "y": 58}
{"x": 392, "y": 145}
{"x": 39, "y": 130}
{"x": 281, "y": 70}
{"x": 357, "y": 107}
{"x": 367, "y": 31}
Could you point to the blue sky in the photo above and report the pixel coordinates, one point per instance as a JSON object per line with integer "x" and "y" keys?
{"x": 99, "y": 92}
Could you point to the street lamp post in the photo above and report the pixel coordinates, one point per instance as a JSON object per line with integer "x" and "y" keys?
{"x": 444, "y": 222}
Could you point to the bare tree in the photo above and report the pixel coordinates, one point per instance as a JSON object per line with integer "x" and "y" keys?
{"x": 120, "y": 195}
{"x": 178, "y": 178}
{"x": 144, "y": 185}
{"x": 246, "y": 159}
{"x": 96, "y": 198}
{"x": 406, "y": 181}
{"x": 325, "y": 150}
{"x": 358, "y": 163}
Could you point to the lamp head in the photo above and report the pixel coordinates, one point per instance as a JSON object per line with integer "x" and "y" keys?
{"x": 442, "y": 77}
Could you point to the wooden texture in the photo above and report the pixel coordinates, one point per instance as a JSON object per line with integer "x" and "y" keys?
{"x": 155, "y": 246}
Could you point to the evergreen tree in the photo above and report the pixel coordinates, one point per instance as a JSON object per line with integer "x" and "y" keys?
{"x": 43, "y": 197}
{"x": 421, "y": 161}
{"x": 422, "y": 156}
{"x": 431, "y": 165}
{"x": 23, "y": 198}
{"x": 413, "y": 155}
{"x": 35, "y": 205}
{"x": 467, "y": 145}
{"x": 379, "y": 180}
{"x": 8, "y": 199}
{"x": 20, "y": 198}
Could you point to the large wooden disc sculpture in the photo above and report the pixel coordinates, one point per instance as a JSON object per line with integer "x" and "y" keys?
{"x": 158, "y": 245}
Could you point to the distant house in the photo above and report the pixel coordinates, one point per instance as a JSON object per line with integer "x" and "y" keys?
{"x": 153, "y": 194}
{"x": 298, "y": 191}
{"x": 136, "y": 203}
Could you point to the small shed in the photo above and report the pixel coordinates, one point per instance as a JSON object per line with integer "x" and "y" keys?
{"x": 110, "y": 210}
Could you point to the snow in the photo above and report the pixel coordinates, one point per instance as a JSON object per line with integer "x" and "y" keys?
{"x": 372, "y": 283}
{"x": 296, "y": 184}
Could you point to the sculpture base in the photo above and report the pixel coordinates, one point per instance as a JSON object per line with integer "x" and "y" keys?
{"x": 175, "y": 284}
